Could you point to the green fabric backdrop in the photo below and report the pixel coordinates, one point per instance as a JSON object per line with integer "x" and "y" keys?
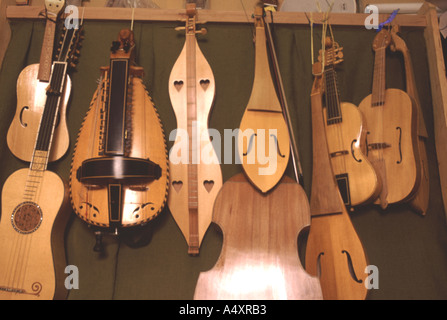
{"x": 409, "y": 250}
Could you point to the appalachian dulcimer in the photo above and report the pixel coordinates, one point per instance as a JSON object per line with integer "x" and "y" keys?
{"x": 260, "y": 257}
{"x": 334, "y": 250}
{"x": 195, "y": 171}
{"x": 35, "y": 204}
{"x": 345, "y": 130}
{"x": 421, "y": 198}
{"x": 392, "y": 142}
{"x": 31, "y": 97}
{"x": 119, "y": 172}
{"x": 264, "y": 142}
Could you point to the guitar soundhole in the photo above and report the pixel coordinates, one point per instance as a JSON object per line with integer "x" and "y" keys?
{"x": 26, "y": 217}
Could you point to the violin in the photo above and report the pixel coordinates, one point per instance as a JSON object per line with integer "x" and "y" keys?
{"x": 119, "y": 171}
{"x": 334, "y": 251}
{"x": 195, "y": 173}
{"x": 32, "y": 86}
{"x": 35, "y": 203}
{"x": 391, "y": 140}
{"x": 357, "y": 180}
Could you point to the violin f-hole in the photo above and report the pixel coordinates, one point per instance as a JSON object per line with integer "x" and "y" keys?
{"x": 352, "y": 150}
{"x": 277, "y": 146}
{"x": 400, "y": 145}
{"x": 351, "y": 267}
{"x": 23, "y": 124}
{"x": 319, "y": 264}
{"x": 250, "y": 144}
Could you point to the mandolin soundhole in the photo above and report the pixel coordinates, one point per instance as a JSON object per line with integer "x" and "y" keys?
{"x": 26, "y": 217}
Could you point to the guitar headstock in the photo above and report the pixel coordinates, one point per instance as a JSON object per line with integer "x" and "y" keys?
{"x": 70, "y": 44}
{"x": 382, "y": 40}
{"x": 54, "y": 6}
{"x": 124, "y": 47}
{"x": 333, "y": 53}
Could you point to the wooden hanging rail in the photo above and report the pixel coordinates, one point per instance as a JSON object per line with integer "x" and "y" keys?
{"x": 145, "y": 14}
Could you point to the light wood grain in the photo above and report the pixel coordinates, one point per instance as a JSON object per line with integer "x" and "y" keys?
{"x": 332, "y": 238}
{"x": 29, "y": 260}
{"x": 259, "y": 258}
{"x": 189, "y": 201}
{"x": 31, "y": 98}
{"x": 264, "y": 142}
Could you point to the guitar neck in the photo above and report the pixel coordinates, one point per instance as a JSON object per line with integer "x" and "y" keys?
{"x": 46, "y": 55}
{"x": 378, "y": 92}
{"x": 332, "y": 95}
{"x": 48, "y": 121}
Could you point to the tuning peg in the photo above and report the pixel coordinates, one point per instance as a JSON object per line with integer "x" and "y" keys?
{"x": 179, "y": 28}
{"x": 202, "y": 31}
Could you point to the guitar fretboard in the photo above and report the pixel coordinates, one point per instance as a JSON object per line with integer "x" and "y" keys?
{"x": 332, "y": 97}
{"x": 378, "y": 91}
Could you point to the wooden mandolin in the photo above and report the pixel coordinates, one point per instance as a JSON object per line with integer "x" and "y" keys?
{"x": 392, "y": 142}
{"x": 35, "y": 205}
{"x": 334, "y": 251}
{"x": 421, "y": 198}
{"x": 357, "y": 180}
{"x": 31, "y": 96}
{"x": 119, "y": 173}
{"x": 195, "y": 172}
{"x": 264, "y": 143}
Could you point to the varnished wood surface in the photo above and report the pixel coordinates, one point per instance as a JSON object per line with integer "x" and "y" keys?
{"x": 35, "y": 260}
{"x": 364, "y": 185}
{"x": 420, "y": 200}
{"x": 259, "y": 257}
{"x": 91, "y": 202}
{"x": 401, "y": 179}
{"x": 31, "y": 98}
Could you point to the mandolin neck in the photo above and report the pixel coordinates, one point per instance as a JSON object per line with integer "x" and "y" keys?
{"x": 379, "y": 86}
{"x": 332, "y": 96}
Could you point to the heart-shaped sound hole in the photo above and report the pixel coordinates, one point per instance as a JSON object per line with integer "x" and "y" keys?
{"x": 205, "y": 84}
{"x": 208, "y": 184}
{"x": 177, "y": 185}
{"x": 178, "y": 84}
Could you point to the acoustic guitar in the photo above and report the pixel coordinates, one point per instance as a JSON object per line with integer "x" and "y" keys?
{"x": 392, "y": 142}
{"x": 345, "y": 130}
{"x": 32, "y": 86}
{"x": 334, "y": 251}
{"x": 35, "y": 205}
{"x": 195, "y": 171}
{"x": 119, "y": 172}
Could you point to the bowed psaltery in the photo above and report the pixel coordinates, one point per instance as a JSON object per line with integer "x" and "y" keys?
{"x": 119, "y": 172}
{"x": 195, "y": 174}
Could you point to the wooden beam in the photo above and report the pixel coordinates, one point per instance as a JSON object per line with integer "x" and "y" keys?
{"x": 438, "y": 83}
{"x": 144, "y": 14}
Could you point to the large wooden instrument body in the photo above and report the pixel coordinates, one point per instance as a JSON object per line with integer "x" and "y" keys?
{"x": 420, "y": 201}
{"x": 264, "y": 143}
{"x": 392, "y": 142}
{"x": 346, "y": 135}
{"x": 259, "y": 258}
{"x": 195, "y": 173}
{"x": 334, "y": 251}
{"x": 31, "y": 95}
{"x": 33, "y": 264}
{"x": 128, "y": 195}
